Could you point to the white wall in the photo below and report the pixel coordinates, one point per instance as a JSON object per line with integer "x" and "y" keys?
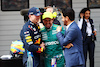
{"x": 11, "y": 23}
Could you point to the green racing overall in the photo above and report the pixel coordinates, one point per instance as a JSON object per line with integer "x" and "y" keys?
{"x": 52, "y": 46}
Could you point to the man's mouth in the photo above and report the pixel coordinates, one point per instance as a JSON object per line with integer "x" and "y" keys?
{"x": 48, "y": 25}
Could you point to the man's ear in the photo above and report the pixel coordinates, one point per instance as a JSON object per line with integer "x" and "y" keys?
{"x": 67, "y": 17}
{"x": 29, "y": 16}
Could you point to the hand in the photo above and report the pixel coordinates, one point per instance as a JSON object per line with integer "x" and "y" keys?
{"x": 40, "y": 24}
{"x": 95, "y": 33}
{"x": 42, "y": 45}
{"x": 69, "y": 45}
{"x": 81, "y": 15}
{"x": 59, "y": 28}
{"x": 39, "y": 21}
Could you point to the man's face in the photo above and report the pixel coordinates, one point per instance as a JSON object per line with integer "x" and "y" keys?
{"x": 48, "y": 22}
{"x": 87, "y": 14}
{"x": 34, "y": 18}
{"x": 64, "y": 19}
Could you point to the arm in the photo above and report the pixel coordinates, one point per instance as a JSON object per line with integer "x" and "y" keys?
{"x": 71, "y": 35}
{"x": 79, "y": 23}
{"x": 62, "y": 31}
{"x": 28, "y": 40}
{"x": 68, "y": 45}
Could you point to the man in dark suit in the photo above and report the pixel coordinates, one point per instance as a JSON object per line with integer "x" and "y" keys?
{"x": 74, "y": 55}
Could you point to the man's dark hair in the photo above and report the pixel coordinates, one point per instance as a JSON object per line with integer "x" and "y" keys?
{"x": 69, "y": 12}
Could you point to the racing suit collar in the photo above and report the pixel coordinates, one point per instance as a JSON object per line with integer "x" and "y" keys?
{"x": 30, "y": 22}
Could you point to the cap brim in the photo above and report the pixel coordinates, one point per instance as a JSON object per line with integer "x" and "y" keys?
{"x": 38, "y": 14}
{"x": 47, "y": 17}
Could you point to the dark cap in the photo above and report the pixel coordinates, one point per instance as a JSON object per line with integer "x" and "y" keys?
{"x": 34, "y": 11}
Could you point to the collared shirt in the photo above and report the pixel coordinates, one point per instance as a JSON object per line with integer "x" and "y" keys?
{"x": 68, "y": 25}
{"x": 88, "y": 29}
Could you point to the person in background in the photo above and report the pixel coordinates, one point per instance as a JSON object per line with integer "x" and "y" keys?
{"x": 74, "y": 55}
{"x": 89, "y": 35}
{"x": 31, "y": 37}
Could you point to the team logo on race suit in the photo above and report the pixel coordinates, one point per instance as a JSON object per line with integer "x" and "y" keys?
{"x": 38, "y": 41}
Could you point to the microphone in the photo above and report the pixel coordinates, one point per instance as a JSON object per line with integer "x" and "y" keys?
{"x": 24, "y": 12}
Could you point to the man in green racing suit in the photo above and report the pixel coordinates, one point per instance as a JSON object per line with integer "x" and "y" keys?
{"x": 52, "y": 45}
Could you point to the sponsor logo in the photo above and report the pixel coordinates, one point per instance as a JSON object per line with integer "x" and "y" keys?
{"x": 29, "y": 40}
{"x": 51, "y": 43}
{"x": 44, "y": 36}
{"x": 34, "y": 29}
{"x": 35, "y": 32}
{"x": 30, "y": 43}
{"x": 36, "y": 37}
{"x": 28, "y": 37}
{"x": 38, "y": 41}
{"x": 26, "y": 32}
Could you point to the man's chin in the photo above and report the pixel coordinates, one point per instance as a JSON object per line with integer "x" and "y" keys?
{"x": 48, "y": 27}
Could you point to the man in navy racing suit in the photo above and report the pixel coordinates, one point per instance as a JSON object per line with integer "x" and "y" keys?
{"x": 31, "y": 37}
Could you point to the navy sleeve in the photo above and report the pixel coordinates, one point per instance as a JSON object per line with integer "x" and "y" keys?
{"x": 28, "y": 40}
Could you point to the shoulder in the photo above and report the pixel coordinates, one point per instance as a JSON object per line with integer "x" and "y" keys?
{"x": 74, "y": 26}
{"x": 28, "y": 26}
{"x": 55, "y": 26}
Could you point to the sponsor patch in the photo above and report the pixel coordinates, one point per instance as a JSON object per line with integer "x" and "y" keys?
{"x": 51, "y": 43}
{"x": 26, "y": 32}
{"x": 30, "y": 27}
{"x": 38, "y": 41}
{"x": 36, "y": 37}
{"x": 30, "y": 43}
{"x": 34, "y": 29}
{"x": 28, "y": 37}
{"x": 35, "y": 32}
{"x": 29, "y": 40}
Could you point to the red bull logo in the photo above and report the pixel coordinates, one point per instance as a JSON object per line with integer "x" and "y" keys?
{"x": 53, "y": 62}
{"x": 38, "y": 41}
